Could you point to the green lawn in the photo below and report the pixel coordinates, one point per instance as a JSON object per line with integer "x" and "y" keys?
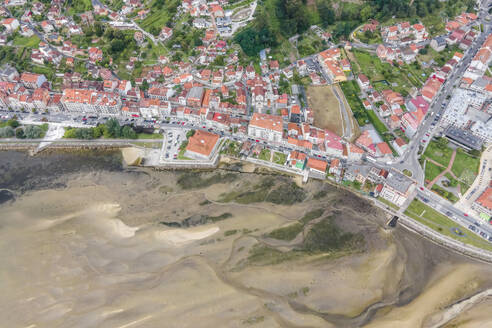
{"x": 439, "y": 222}
{"x": 265, "y": 155}
{"x": 387, "y": 202}
{"x": 432, "y": 171}
{"x": 438, "y": 153}
{"x": 149, "y": 136}
{"x": 31, "y": 42}
{"x": 279, "y": 158}
{"x": 376, "y": 70}
{"x": 465, "y": 166}
{"x": 378, "y": 125}
{"x": 154, "y": 145}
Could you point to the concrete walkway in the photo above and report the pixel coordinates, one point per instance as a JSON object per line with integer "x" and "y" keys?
{"x": 448, "y": 169}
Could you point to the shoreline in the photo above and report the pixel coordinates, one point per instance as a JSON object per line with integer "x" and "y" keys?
{"x": 408, "y": 224}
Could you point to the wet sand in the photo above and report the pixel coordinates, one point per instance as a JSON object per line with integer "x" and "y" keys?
{"x": 83, "y": 245}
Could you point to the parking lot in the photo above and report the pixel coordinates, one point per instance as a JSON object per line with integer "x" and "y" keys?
{"x": 172, "y": 141}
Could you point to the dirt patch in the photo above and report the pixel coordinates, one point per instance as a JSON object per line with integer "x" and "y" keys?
{"x": 326, "y": 108}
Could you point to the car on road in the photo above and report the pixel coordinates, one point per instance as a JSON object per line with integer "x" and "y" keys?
{"x": 471, "y": 227}
{"x": 476, "y": 223}
{"x": 465, "y": 214}
{"x": 421, "y": 188}
{"x": 483, "y": 234}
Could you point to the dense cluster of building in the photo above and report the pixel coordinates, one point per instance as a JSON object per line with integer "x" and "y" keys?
{"x": 404, "y": 33}
{"x": 468, "y": 116}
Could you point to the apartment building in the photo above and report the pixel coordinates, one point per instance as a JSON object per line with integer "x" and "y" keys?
{"x": 267, "y": 127}
{"x": 90, "y": 101}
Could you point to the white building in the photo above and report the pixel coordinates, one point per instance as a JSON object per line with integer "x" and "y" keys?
{"x": 90, "y": 101}
{"x": 266, "y": 127}
{"x": 397, "y": 188}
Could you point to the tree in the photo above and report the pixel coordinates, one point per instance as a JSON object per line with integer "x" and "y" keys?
{"x": 69, "y": 133}
{"x": 117, "y": 46}
{"x": 7, "y": 132}
{"x": 190, "y": 134}
{"x": 19, "y": 133}
{"x": 13, "y": 123}
{"x": 366, "y": 13}
{"x": 33, "y": 132}
{"x": 326, "y": 13}
{"x": 128, "y": 133}
{"x": 113, "y": 129}
{"x": 145, "y": 85}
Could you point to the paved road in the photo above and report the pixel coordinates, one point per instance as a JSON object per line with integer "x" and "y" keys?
{"x": 409, "y": 160}
{"x": 448, "y": 209}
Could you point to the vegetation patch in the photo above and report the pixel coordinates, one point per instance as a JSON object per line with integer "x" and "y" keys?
{"x": 230, "y": 233}
{"x": 190, "y": 180}
{"x": 285, "y": 193}
{"x": 438, "y": 151}
{"x": 279, "y": 158}
{"x": 351, "y": 90}
{"x": 387, "y": 202}
{"x": 444, "y": 193}
{"x": 265, "y": 155}
{"x": 287, "y": 233}
{"x": 432, "y": 171}
{"x": 196, "y": 220}
{"x": 290, "y": 232}
{"x": 325, "y": 237}
{"x": 466, "y": 166}
{"x": 314, "y": 214}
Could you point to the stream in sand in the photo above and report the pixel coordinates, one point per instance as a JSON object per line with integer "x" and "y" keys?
{"x": 82, "y": 245}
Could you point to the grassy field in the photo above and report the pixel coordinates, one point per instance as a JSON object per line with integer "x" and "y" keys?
{"x": 439, "y": 222}
{"x": 265, "y": 155}
{"x": 279, "y": 158}
{"x": 153, "y": 145}
{"x": 326, "y": 108}
{"x": 387, "y": 202}
{"x": 465, "y": 166}
{"x": 31, "y": 42}
{"x": 156, "y": 19}
{"x": 149, "y": 136}
{"x": 432, "y": 171}
{"x": 376, "y": 70}
{"x": 440, "y": 154}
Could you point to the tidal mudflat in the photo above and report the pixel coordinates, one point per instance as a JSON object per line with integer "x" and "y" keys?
{"x": 87, "y": 242}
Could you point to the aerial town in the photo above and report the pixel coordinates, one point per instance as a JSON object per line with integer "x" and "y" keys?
{"x": 399, "y": 112}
